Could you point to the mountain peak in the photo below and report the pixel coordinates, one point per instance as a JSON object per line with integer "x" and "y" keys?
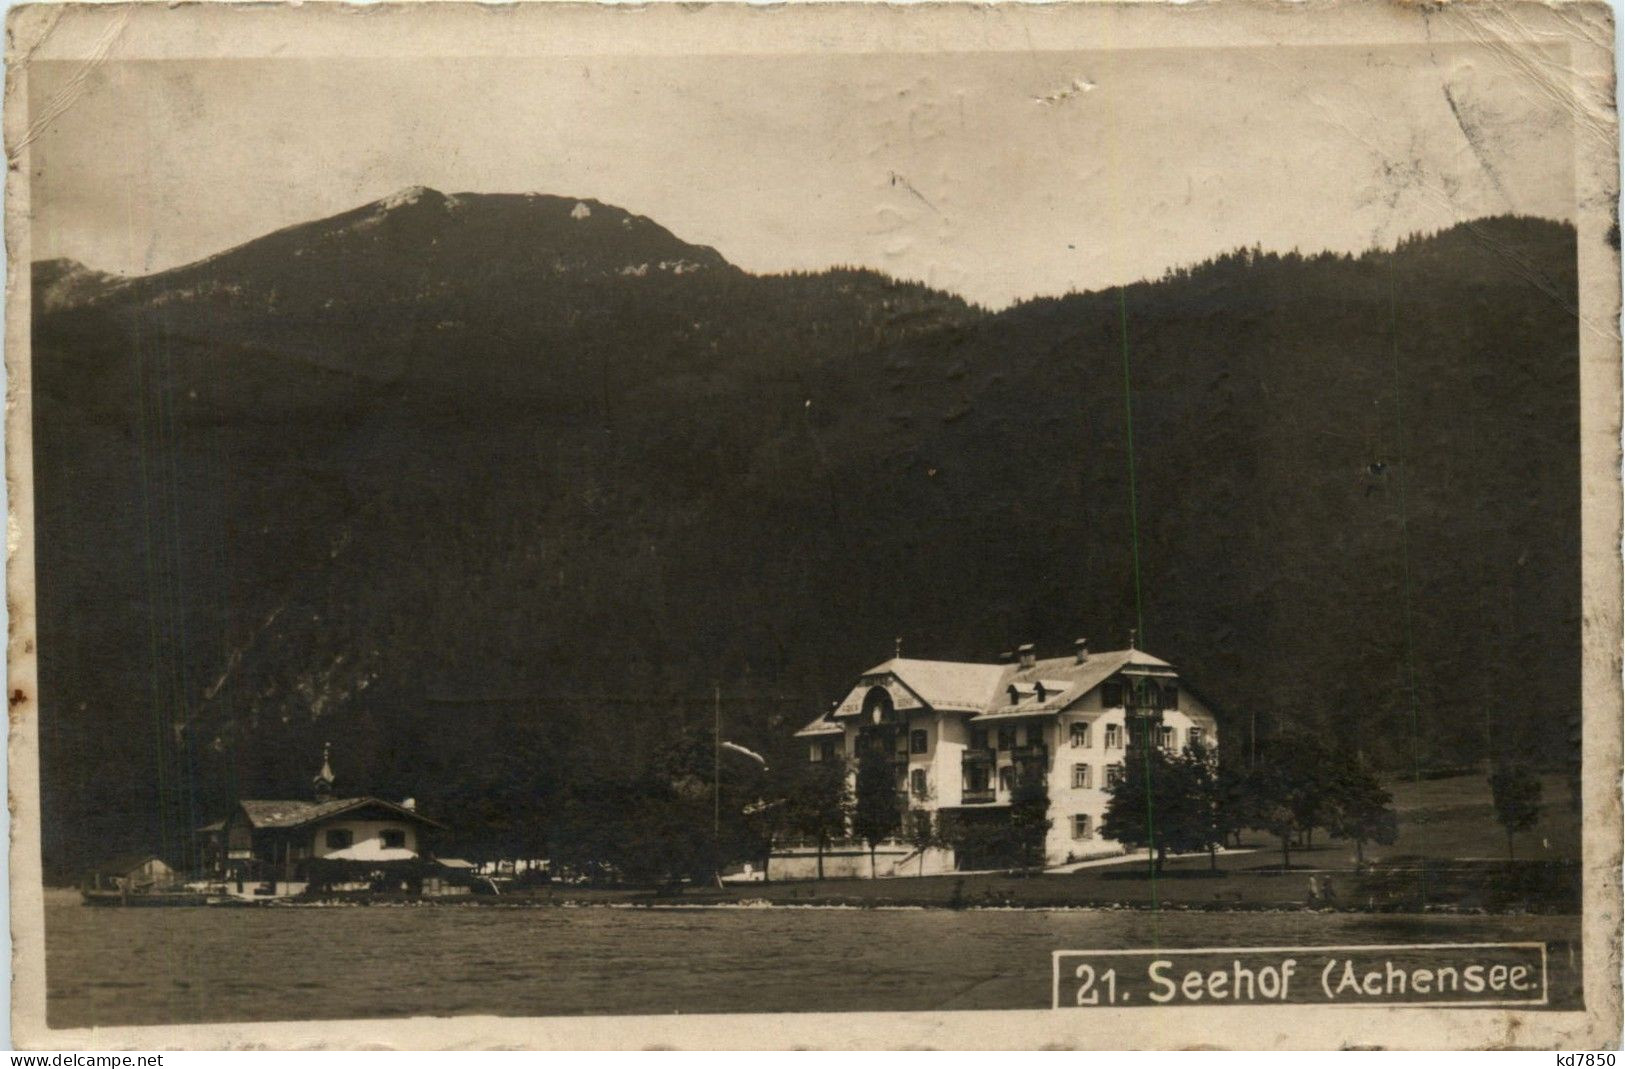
{"x": 414, "y": 244}
{"x": 409, "y": 196}
{"x": 63, "y": 283}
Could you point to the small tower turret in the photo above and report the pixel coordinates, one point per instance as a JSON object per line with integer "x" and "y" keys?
{"x": 322, "y": 784}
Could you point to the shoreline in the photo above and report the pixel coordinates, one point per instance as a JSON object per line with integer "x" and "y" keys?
{"x": 838, "y": 903}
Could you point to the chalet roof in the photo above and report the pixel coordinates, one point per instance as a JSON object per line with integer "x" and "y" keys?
{"x": 1064, "y": 681}
{"x": 984, "y": 689}
{"x": 948, "y": 685}
{"x": 295, "y": 814}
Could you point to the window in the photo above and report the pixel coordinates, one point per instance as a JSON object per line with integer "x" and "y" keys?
{"x": 916, "y": 782}
{"x": 1170, "y": 697}
{"x": 1080, "y": 736}
{"x": 1007, "y": 778}
{"x": 976, "y": 778}
{"x": 1111, "y": 695}
{"x": 1007, "y": 738}
{"x": 878, "y": 707}
{"x": 828, "y": 749}
{"x": 1114, "y": 736}
{"x": 1081, "y": 777}
{"x": 1114, "y": 775}
{"x": 1035, "y": 734}
{"x": 1082, "y": 826}
{"x": 1197, "y": 737}
{"x": 392, "y": 839}
{"x": 339, "y": 838}
{"x": 815, "y": 752}
{"x": 916, "y": 741}
{"x": 978, "y": 738}
{"x": 1167, "y": 737}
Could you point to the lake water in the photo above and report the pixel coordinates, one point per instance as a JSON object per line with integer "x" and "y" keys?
{"x": 160, "y": 966}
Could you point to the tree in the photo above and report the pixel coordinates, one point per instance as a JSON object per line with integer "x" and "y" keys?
{"x": 1312, "y": 772}
{"x": 1515, "y": 792}
{"x": 1274, "y": 791}
{"x": 1166, "y": 802}
{"x": 923, "y": 833}
{"x": 1236, "y": 801}
{"x": 1360, "y": 809}
{"x": 876, "y": 814}
{"x": 1207, "y": 824}
{"x": 1029, "y": 820}
{"x": 819, "y": 803}
{"x": 1292, "y": 787}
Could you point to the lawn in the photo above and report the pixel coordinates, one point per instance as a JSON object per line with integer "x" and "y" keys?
{"x": 1454, "y": 818}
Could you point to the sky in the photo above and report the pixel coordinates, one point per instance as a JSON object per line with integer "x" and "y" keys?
{"x": 998, "y": 176}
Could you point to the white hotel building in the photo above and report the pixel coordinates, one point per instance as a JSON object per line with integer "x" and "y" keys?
{"x": 962, "y": 736}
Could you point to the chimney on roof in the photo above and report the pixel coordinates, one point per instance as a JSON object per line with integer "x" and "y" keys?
{"x": 1083, "y": 650}
{"x": 1028, "y": 657}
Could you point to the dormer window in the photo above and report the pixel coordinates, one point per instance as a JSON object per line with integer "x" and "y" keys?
{"x": 1039, "y": 691}
{"x": 878, "y": 707}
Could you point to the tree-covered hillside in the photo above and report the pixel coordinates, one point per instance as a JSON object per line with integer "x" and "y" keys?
{"x": 492, "y": 491}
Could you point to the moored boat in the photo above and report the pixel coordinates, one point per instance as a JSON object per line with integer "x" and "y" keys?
{"x": 103, "y": 897}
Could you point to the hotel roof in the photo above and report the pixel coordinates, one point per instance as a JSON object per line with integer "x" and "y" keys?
{"x": 984, "y": 689}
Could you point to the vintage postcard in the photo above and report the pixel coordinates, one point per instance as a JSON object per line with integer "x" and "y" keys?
{"x": 834, "y": 525}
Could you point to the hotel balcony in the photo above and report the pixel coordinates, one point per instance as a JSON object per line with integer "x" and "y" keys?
{"x": 986, "y": 756}
{"x": 1031, "y": 752}
{"x": 977, "y": 797}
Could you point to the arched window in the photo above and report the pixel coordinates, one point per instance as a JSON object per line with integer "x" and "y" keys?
{"x": 878, "y": 707}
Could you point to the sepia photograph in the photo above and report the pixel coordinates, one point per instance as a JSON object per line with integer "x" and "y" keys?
{"x": 571, "y": 525}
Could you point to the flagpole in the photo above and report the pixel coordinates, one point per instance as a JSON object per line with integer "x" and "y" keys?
{"x": 716, "y": 770}
{"x": 716, "y": 788}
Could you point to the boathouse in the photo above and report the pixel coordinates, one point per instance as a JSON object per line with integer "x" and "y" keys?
{"x": 132, "y": 874}
{"x": 283, "y": 847}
